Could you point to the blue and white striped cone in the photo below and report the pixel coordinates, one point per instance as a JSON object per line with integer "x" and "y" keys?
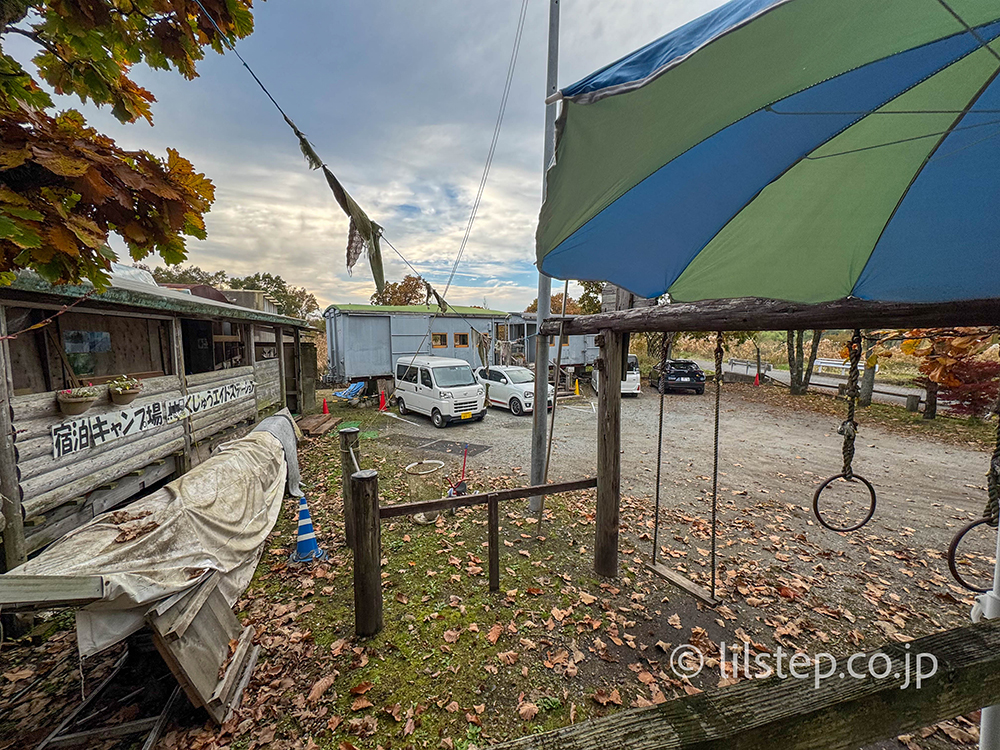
{"x": 306, "y": 548}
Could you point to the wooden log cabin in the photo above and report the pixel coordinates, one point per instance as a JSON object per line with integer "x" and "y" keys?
{"x": 209, "y": 369}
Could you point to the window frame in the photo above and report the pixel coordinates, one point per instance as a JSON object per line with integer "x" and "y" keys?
{"x": 435, "y": 345}
{"x": 458, "y": 345}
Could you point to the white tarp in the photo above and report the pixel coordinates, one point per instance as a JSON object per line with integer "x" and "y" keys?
{"x": 214, "y": 518}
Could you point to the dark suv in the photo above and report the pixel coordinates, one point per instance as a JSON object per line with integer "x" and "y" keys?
{"x": 682, "y": 375}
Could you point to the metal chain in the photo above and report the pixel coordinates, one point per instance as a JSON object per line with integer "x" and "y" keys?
{"x": 992, "y": 510}
{"x": 715, "y": 467}
{"x": 659, "y": 446}
{"x": 849, "y": 427}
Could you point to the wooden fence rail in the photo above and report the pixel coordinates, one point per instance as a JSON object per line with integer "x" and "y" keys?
{"x": 363, "y": 521}
{"x": 842, "y": 713}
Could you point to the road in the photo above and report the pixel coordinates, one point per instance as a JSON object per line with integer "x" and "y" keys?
{"x": 885, "y": 393}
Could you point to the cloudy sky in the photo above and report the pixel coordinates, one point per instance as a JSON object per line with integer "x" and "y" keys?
{"x": 399, "y": 98}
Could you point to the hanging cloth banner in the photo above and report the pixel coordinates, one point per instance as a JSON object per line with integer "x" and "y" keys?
{"x": 363, "y": 234}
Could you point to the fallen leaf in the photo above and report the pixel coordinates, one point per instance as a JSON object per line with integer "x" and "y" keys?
{"x": 527, "y": 711}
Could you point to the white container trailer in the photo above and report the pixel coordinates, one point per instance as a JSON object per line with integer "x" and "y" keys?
{"x": 364, "y": 341}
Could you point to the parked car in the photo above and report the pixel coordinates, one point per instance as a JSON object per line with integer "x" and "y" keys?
{"x": 444, "y": 389}
{"x": 682, "y": 375}
{"x": 631, "y": 383}
{"x": 511, "y": 387}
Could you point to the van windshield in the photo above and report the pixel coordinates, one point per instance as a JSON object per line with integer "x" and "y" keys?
{"x": 521, "y": 375}
{"x": 450, "y": 377}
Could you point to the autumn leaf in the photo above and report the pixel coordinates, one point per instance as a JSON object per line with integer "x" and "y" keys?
{"x": 494, "y": 634}
{"x": 451, "y": 636}
{"x": 527, "y": 711}
{"x": 361, "y": 688}
{"x": 603, "y": 697}
{"x": 361, "y": 703}
{"x": 319, "y": 687}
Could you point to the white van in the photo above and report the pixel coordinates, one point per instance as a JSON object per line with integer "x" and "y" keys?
{"x": 631, "y": 383}
{"x": 444, "y": 389}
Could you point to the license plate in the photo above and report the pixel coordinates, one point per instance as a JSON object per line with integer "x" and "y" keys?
{"x": 466, "y": 415}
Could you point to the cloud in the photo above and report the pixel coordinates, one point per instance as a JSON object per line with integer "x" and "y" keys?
{"x": 400, "y": 99}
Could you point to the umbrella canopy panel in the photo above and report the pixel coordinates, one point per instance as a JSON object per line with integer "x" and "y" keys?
{"x": 801, "y": 150}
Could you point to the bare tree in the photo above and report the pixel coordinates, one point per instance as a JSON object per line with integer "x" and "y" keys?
{"x": 800, "y": 369}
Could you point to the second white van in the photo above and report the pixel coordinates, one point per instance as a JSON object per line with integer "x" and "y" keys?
{"x": 444, "y": 389}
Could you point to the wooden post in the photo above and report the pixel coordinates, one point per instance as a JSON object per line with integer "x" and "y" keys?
{"x": 279, "y": 345}
{"x": 493, "y": 506}
{"x": 609, "y": 413}
{"x": 10, "y": 490}
{"x": 349, "y": 438}
{"x": 297, "y": 370}
{"x": 250, "y": 347}
{"x": 367, "y": 553}
{"x": 177, "y": 345}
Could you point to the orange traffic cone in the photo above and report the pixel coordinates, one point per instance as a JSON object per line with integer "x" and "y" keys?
{"x": 756, "y": 379}
{"x": 381, "y": 401}
{"x": 326, "y": 409}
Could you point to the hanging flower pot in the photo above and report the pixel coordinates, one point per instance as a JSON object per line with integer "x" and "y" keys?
{"x": 124, "y": 390}
{"x": 75, "y": 401}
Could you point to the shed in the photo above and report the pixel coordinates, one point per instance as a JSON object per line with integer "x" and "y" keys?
{"x": 363, "y": 341}
{"x": 205, "y": 379}
{"x": 578, "y": 351}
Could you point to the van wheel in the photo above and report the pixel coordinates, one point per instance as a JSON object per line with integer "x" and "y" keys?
{"x": 437, "y": 419}
{"x": 515, "y": 407}
{"x": 402, "y": 407}
{"x": 700, "y": 391}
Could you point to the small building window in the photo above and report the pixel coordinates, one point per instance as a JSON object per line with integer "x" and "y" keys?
{"x": 461, "y": 340}
{"x": 439, "y": 340}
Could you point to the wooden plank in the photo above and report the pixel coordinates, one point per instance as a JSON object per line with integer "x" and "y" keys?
{"x": 137, "y": 726}
{"x": 204, "y": 380}
{"x": 234, "y": 670}
{"x": 14, "y": 550}
{"x": 794, "y": 714}
{"x": 482, "y": 498}
{"x": 173, "y": 623}
{"x": 685, "y": 584}
{"x": 609, "y": 417}
{"x": 751, "y": 314}
{"x": 177, "y": 358}
{"x": 29, "y": 591}
{"x": 279, "y": 343}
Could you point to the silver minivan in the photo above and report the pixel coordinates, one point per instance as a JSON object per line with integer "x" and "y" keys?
{"x": 444, "y": 389}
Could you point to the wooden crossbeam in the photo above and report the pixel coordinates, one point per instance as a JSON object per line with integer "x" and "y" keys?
{"x": 793, "y": 714}
{"x": 27, "y": 592}
{"x": 482, "y": 498}
{"x": 752, "y": 314}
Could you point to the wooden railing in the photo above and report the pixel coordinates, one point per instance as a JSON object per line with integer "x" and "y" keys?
{"x": 363, "y": 522}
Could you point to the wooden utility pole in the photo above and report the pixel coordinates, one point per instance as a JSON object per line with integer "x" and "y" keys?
{"x": 367, "y": 553}
{"x": 609, "y": 413}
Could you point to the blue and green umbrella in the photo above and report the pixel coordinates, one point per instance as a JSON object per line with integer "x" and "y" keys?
{"x": 803, "y": 150}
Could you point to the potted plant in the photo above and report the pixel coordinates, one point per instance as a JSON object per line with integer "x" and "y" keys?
{"x": 124, "y": 389}
{"x": 73, "y": 401}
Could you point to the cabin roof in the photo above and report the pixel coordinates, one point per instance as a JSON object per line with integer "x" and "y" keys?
{"x": 127, "y": 293}
{"x": 453, "y": 310}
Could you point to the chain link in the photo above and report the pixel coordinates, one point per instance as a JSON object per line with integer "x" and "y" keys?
{"x": 849, "y": 427}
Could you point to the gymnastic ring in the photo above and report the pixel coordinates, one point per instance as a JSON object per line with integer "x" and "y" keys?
{"x": 953, "y": 552}
{"x": 866, "y": 519}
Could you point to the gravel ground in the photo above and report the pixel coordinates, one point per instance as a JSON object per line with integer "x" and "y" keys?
{"x": 922, "y": 484}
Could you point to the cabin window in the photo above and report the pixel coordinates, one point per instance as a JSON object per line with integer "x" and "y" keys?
{"x": 461, "y": 340}
{"x": 87, "y": 347}
{"x": 406, "y": 374}
{"x": 425, "y": 378}
{"x": 439, "y": 340}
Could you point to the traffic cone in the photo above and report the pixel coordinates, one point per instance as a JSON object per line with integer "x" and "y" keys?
{"x": 381, "y": 401}
{"x": 326, "y": 409}
{"x": 306, "y": 548}
{"x": 576, "y": 387}
{"x": 756, "y": 379}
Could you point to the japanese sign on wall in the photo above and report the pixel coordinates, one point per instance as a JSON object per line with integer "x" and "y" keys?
{"x": 90, "y": 432}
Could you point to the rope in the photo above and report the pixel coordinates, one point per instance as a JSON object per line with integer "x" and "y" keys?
{"x": 355, "y": 460}
{"x": 715, "y": 467}
{"x": 849, "y": 427}
{"x": 659, "y": 446}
